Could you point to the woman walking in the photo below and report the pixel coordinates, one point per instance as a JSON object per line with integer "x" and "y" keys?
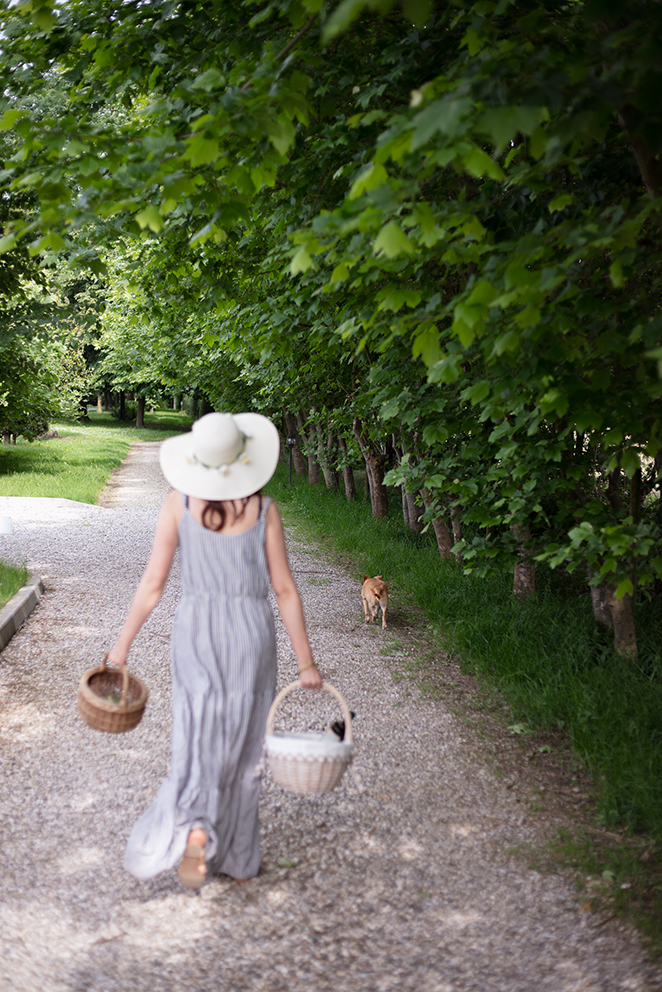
{"x": 223, "y": 648}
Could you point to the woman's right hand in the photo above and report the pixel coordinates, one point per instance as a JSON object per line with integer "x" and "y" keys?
{"x": 310, "y": 678}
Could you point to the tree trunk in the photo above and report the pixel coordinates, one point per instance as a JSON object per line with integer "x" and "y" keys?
{"x": 347, "y": 470}
{"x": 99, "y": 405}
{"x": 140, "y": 412}
{"x": 298, "y": 460}
{"x": 405, "y": 504}
{"x": 600, "y": 601}
{"x": 314, "y": 474}
{"x": 648, "y": 161}
{"x": 440, "y": 527}
{"x": 122, "y": 405}
{"x": 415, "y": 512}
{"x": 622, "y": 615}
{"x": 374, "y": 460}
{"x": 524, "y": 574}
{"x": 6, "y": 438}
{"x": 323, "y": 456}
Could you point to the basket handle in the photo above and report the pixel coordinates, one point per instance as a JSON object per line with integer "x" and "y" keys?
{"x": 125, "y": 685}
{"x": 325, "y": 685}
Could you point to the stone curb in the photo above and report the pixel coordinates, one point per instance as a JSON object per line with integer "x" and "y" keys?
{"x": 14, "y": 613}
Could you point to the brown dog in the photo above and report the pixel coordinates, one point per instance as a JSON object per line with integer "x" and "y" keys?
{"x": 374, "y": 594}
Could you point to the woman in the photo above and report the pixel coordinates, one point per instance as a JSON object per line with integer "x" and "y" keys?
{"x": 223, "y": 647}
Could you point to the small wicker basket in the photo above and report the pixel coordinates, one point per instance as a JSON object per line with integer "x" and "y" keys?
{"x": 307, "y": 763}
{"x": 103, "y": 713}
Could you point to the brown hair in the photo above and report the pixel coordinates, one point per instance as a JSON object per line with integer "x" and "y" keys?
{"x": 215, "y": 513}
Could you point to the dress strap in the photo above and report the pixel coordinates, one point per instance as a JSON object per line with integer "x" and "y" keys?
{"x": 185, "y": 500}
{"x": 264, "y": 506}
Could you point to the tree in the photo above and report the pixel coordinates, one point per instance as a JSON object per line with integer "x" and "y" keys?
{"x": 445, "y": 234}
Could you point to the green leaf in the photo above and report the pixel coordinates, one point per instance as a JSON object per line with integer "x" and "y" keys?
{"x": 9, "y": 118}
{"x": 426, "y": 345}
{"x": 630, "y": 462}
{"x": 394, "y": 298}
{"x": 201, "y": 150}
{"x": 502, "y": 124}
{"x": 151, "y": 218}
{"x": 445, "y": 115}
{"x": 477, "y": 393}
{"x": 301, "y": 262}
{"x": 7, "y": 243}
{"x": 282, "y": 135}
{"x": 624, "y": 588}
{"x": 616, "y": 274}
{"x": 559, "y": 202}
{"x": 286, "y": 863}
{"x": 417, "y": 11}
{"x": 519, "y": 728}
{"x": 373, "y": 175}
{"x": 478, "y": 164}
{"x": 392, "y": 241}
{"x": 345, "y": 14}
{"x": 339, "y": 274}
{"x": 209, "y": 80}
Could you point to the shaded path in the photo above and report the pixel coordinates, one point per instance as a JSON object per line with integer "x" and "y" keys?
{"x": 407, "y": 886}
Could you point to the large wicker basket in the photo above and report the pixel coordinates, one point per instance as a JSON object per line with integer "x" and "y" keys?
{"x": 307, "y": 763}
{"x": 110, "y": 699}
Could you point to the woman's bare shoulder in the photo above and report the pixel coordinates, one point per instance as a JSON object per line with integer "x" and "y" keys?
{"x": 173, "y": 505}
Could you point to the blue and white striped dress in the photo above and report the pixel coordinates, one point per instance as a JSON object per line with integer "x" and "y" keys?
{"x": 223, "y": 655}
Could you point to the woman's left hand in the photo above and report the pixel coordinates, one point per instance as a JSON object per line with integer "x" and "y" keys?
{"x": 117, "y": 656}
{"x": 310, "y": 678}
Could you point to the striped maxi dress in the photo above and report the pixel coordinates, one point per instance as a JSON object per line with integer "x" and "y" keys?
{"x": 223, "y": 654}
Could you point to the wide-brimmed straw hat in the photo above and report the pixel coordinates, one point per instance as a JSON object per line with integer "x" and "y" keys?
{"x": 224, "y": 456}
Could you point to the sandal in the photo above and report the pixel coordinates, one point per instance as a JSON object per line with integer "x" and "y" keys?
{"x": 189, "y": 873}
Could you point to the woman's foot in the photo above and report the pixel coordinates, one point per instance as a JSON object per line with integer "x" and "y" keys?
{"x": 192, "y": 870}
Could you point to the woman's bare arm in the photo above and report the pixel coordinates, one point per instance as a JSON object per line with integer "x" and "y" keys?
{"x": 289, "y": 600}
{"x": 154, "y": 577}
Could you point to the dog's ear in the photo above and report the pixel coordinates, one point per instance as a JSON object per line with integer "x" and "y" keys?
{"x": 378, "y": 576}
{"x": 365, "y": 578}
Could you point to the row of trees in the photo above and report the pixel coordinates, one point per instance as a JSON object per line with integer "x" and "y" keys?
{"x": 427, "y": 236}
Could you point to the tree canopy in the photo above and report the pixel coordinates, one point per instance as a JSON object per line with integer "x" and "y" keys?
{"x": 431, "y": 231}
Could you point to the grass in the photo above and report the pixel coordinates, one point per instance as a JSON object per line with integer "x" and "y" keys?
{"x": 616, "y": 877}
{"x": 12, "y": 577}
{"x": 546, "y": 657}
{"x": 77, "y": 464}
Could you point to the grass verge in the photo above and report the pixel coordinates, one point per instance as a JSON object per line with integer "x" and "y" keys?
{"x": 555, "y": 669}
{"x": 76, "y": 465}
{"x": 12, "y": 577}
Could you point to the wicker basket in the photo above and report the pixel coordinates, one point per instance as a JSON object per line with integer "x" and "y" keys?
{"x": 307, "y": 763}
{"x": 102, "y": 713}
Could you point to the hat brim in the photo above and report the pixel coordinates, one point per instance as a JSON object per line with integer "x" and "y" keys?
{"x": 241, "y": 479}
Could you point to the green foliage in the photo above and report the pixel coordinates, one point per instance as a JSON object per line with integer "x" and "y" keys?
{"x": 442, "y": 224}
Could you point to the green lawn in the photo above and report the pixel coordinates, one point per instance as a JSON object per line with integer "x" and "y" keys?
{"x": 12, "y": 577}
{"x": 77, "y": 464}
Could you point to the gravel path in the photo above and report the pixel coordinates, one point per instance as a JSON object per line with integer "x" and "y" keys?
{"x": 407, "y": 885}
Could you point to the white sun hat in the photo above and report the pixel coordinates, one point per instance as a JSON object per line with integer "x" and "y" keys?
{"x": 224, "y": 456}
